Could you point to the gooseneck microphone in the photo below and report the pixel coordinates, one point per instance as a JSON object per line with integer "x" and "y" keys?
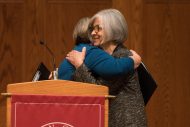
{"x": 53, "y": 59}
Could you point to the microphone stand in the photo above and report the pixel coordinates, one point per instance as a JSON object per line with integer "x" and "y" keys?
{"x": 55, "y": 70}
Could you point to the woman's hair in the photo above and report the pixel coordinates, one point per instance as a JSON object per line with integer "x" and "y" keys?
{"x": 80, "y": 32}
{"x": 114, "y": 25}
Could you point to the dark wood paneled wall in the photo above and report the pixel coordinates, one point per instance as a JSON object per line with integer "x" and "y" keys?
{"x": 23, "y": 23}
{"x": 166, "y": 45}
{"x": 158, "y": 30}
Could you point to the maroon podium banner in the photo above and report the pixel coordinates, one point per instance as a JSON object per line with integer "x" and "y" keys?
{"x": 57, "y": 111}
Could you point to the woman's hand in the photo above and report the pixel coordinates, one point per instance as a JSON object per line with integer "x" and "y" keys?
{"x": 136, "y": 58}
{"x": 76, "y": 58}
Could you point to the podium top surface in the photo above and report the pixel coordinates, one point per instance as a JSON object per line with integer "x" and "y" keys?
{"x": 58, "y": 87}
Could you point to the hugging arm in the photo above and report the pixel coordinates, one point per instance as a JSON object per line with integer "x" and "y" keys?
{"x": 98, "y": 61}
{"x": 83, "y": 74}
{"x": 101, "y": 63}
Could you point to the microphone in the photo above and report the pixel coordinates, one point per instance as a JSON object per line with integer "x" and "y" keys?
{"x": 55, "y": 77}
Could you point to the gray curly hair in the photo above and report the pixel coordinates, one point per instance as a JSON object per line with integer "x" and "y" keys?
{"x": 114, "y": 25}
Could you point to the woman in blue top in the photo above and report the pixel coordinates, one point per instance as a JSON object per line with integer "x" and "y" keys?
{"x": 96, "y": 59}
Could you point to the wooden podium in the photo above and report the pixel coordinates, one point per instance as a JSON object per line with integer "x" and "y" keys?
{"x": 56, "y": 87}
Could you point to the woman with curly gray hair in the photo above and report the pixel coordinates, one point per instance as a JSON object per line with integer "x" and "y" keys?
{"x": 108, "y": 30}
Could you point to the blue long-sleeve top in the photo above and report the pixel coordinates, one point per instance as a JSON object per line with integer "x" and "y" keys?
{"x": 99, "y": 62}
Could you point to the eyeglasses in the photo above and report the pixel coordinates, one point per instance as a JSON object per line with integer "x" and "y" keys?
{"x": 95, "y": 28}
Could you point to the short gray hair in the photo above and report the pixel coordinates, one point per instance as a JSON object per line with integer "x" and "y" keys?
{"x": 114, "y": 25}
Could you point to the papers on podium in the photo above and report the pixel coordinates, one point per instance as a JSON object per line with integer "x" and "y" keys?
{"x": 42, "y": 73}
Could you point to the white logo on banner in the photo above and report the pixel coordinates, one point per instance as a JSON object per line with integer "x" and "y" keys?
{"x": 57, "y": 124}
